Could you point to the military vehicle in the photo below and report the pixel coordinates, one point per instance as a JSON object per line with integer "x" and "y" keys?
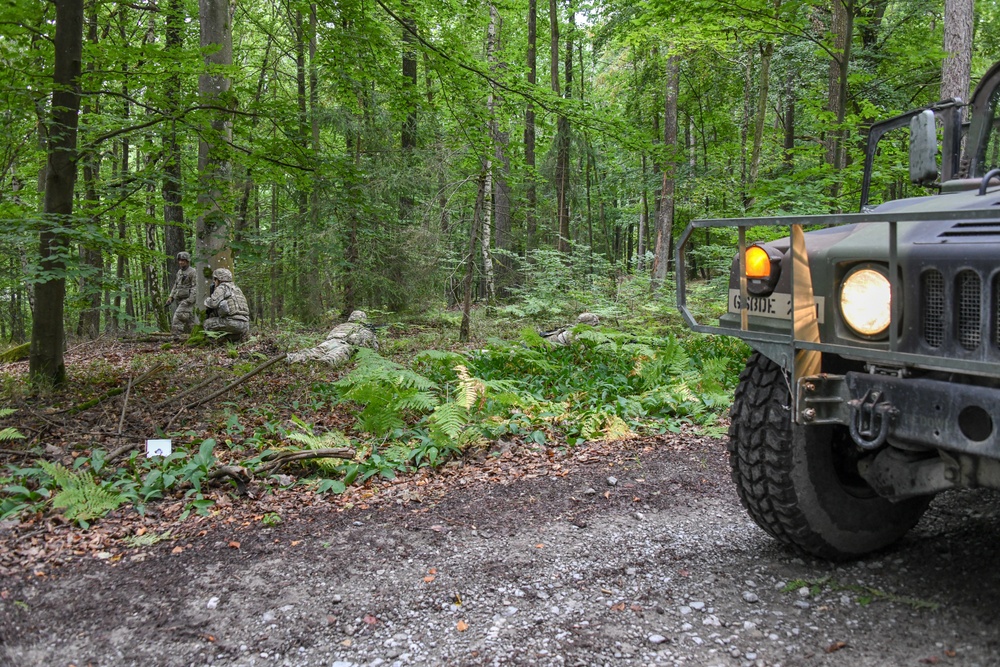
{"x": 874, "y": 382}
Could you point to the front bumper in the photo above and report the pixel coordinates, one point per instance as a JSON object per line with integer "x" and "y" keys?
{"x": 910, "y": 412}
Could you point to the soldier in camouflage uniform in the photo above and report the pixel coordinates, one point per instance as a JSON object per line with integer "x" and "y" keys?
{"x": 227, "y": 307}
{"x": 184, "y": 294}
{"x": 564, "y": 335}
{"x": 341, "y": 342}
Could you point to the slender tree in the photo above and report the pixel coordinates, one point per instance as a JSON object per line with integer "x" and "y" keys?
{"x": 665, "y": 218}
{"x": 47, "y": 330}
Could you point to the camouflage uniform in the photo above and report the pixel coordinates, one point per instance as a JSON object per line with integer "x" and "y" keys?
{"x": 183, "y": 293}
{"x": 564, "y": 335}
{"x": 232, "y": 314}
{"x": 341, "y": 342}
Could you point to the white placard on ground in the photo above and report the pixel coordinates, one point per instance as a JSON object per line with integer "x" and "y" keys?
{"x": 157, "y": 448}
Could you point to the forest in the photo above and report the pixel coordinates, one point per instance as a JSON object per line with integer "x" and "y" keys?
{"x": 405, "y": 156}
{"x": 472, "y": 175}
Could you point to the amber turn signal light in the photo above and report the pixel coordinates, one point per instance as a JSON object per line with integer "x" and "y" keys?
{"x": 758, "y": 263}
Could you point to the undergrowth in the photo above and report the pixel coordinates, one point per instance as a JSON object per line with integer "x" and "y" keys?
{"x": 419, "y": 408}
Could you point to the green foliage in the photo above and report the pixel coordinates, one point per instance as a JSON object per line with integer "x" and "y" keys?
{"x": 330, "y": 439}
{"x": 81, "y": 496}
{"x": 9, "y": 433}
{"x": 27, "y": 493}
{"x": 387, "y": 390}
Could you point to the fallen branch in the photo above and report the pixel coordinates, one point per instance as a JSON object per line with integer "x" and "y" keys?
{"x": 278, "y": 459}
{"x": 238, "y": 474}
{"x": 212, "y": 378}
{"x": 115, "y": 453}
{"x": 238, "y": 382}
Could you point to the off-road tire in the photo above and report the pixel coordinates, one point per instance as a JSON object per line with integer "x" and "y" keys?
{"x": 791, "y": 482}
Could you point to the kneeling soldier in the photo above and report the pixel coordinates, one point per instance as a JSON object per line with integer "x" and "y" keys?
{"x": 227, "y": 307}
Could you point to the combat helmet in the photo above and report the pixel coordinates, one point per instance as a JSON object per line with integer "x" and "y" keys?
{"x": 223, "y": 275}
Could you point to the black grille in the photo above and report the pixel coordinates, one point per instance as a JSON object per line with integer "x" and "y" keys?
{"x": 968, "y": 288}
{"x": 933, "y": 325}
{"x": 996, "y": 311}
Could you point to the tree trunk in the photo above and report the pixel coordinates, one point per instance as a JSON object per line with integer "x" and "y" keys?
{"x": 529, "y": 130}
{"x": 562, "y": 151}
{"x": 763, "y": 83}
{"x": 214, "y": 170}
{"x": 89, "y": 323}
{"x": 789, "y": 144}
{"x": 470, "y": 263}
{"x": 643, "y": 219}
{"x": 500, "y": 193}
{"x": 843, "y": 30}
{"x": 173, "y": 212}
{"x": 665, "y": 217}
{"x": 764, "y": 79}
{"x": 47, "y": 332}
{"x": 958, "y": 49}
{"x": 408, "y": 135}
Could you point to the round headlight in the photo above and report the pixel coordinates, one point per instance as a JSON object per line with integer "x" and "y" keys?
{"x": 866, "y": 301}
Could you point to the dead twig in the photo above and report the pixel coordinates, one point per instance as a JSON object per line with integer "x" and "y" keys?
{"x": 42, "y": 417}
{"x": 238, "y": 382}
{"x": 19, "y": 452}
{"x": 212, "y": 378}
{"x": 278, "y": 459}
{"x": 121, "y": 420}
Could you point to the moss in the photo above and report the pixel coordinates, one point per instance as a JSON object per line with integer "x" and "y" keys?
{"x": 19, "y": 353}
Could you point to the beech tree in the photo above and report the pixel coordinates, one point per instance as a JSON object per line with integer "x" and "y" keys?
{"x": 48, "y": 329}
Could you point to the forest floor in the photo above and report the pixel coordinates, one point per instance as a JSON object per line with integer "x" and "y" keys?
{"x": 633, "y": 553}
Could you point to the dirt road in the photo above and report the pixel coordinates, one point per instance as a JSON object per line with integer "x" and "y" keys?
{"x": 648, "y": 560}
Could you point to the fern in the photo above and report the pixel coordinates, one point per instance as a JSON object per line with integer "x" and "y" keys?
{"x": 327, "y": 440}
{"x": 615, "y": 428}
{"x": 9, "y": 433}
{"x": 470, "y": 390}
{"x": 448, "y": 420}
{"x": 372, "y": 367}
{"x": 83, "y": 498}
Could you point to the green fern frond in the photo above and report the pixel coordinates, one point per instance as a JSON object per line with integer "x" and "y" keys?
{"x": 442, "y": 356}
{"x": 615, "y": 428}
{"x": 449, "y": 419}
{"x": 82, "y": 497}
{"x": 373, "y": 368}
{"x": 418, "y": 401}
{"x": 10, "y": 433}
{"x": 379, "y": 422}
{"x": 588, "y": 334}
{"x": 6, "y": 412}
{"x": 531, "y": 338}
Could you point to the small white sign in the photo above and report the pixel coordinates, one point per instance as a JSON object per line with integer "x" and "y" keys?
{"x": 157, "y": 448}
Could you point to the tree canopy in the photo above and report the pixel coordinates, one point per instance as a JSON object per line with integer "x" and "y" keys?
{"x": 372, "y": 154}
